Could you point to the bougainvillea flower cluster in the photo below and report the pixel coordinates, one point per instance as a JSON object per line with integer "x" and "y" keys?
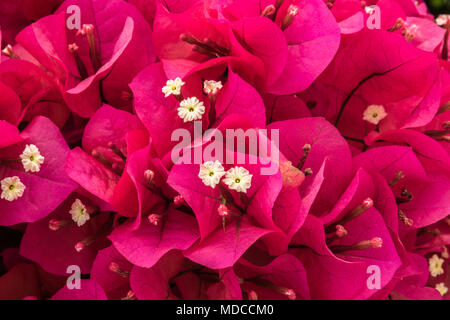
{"x": 100, "y": 199}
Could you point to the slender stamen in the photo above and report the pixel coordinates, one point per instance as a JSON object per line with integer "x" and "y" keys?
{"x": 447, "y": 220}
{"x": 9, "y": 52}
{"x": 118, "y": 168}
{"x": 100, "y": 157}
{"x": 189, "y": 39}
{"x": 252, "y": 295}
{"x": 207, "y": 46}
{"x": 206, "y": 52}
{"x": 444, "y": 55}
{"x": 292, "y": 12}
{"x": 178, "y": 201}
{"x": 289, "y": 293}
{"x": 79, "y": 246}
{"x": 130, "y": 296}
{"x": 306, "y": 151}
{"x": 410, "y": 32}
{"x": 399, "y": 23}
{"x": 103, "y": 231}
{"x": 221, "y": 51}
{"x": 149, "y": 176}
{"x": 117, "y": 151}
{"x": 339, "y": 233}
{"x": 439, "y": 134}
{"x": 360, "y": 209}
{"x": 73, "y": 48}
{"x": 398, "y": 176}
{"x": 406, "y": 193}
{"x": 55, "y": 224}
{"x": 434, "y": 232}
{"x": 155, "y": 219}
{"x": 88, "y": 30}
{"x": 375, "y": 243}
{"x": 278, "y": 4}
{"x": 114, "y": 267}
{"x": 269, "y": 11}
{"x": 406, "y": 196}
{"x": 444, "y": 252}
{"x": 12, "y": 161}
{"x": 223, "y": 212}
{"x": 127, "y": 95}
{"x": 403, "y": 218}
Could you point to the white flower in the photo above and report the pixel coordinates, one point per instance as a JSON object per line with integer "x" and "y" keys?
{"x": 211, "y": 86}
{"x": 173, "y": 87}
{"x": 374, "y": 113}
{"x": 435, "y": 265}
{"x": 442, "y": 19}
{"x": 79, "y": 212}
{"x": 12, "y": 188}
{"x": 441, "y": 288}
{"x": 211, "y": 173}
{"x": 239, "y": 179}
{"x": 31, "y": 158}
{"x": 191, "y": 109}
{"x": 369, "y": 9}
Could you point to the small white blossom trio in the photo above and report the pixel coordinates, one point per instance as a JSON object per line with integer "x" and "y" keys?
{"x": 236, "y": 178}
{"x": 190, "y": 109}
{"x": 12, "y": 187}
